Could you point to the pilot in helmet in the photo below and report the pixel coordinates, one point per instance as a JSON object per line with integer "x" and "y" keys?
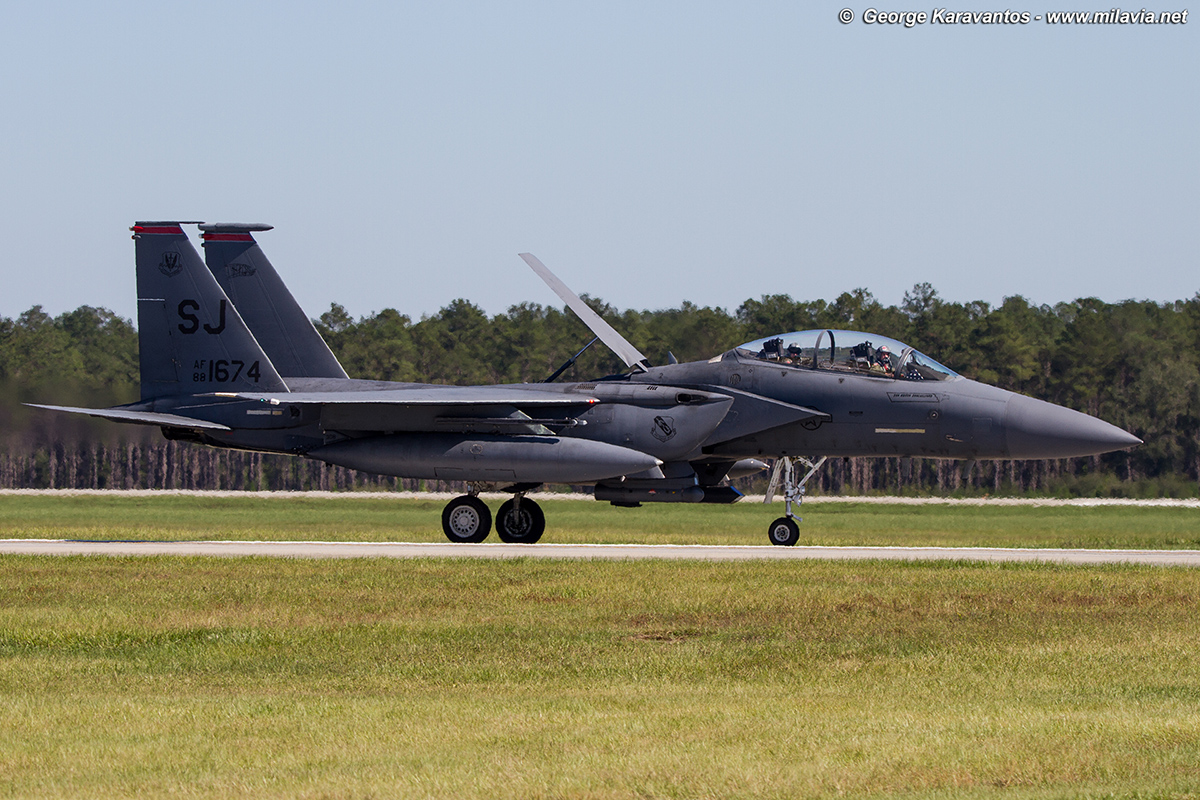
{"x": 883, "y": 357}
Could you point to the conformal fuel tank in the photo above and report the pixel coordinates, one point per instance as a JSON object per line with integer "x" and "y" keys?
{"x": 475, "y": 457}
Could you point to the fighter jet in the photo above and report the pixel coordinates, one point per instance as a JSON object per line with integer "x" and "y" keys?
{"x": 228, "y": 359}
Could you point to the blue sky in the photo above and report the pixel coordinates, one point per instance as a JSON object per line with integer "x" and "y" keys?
{"x": 648, "y": 152}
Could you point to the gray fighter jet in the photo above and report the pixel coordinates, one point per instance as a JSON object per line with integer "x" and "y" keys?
{"x": 228, "y": 359}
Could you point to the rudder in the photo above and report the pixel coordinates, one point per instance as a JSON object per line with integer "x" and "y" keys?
{"x": 280, "y": 326}
{"x": 191, "y": 339}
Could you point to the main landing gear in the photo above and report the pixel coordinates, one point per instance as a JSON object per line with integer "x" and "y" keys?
{"x": 784, "y": 531}
{"x": 466, "y": 520}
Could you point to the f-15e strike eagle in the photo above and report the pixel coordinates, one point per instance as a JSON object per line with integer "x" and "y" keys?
{"x": 228, "y": 359}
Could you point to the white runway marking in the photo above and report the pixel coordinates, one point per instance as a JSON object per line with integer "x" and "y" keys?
{"x": 61, "y": 547}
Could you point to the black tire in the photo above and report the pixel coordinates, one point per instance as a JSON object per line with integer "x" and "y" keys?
{"x": 784, "y": 532}
{"x": 466, "y": 520}
{"x": 522, "y": 527}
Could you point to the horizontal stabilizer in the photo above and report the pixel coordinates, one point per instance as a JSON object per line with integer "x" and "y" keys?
{"x": 139, "y": 417}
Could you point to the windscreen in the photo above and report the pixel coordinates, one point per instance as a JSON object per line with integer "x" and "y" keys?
{"x": 847, "y": 351}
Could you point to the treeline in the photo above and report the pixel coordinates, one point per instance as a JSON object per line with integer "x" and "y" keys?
{"x": 1135, "y": 364}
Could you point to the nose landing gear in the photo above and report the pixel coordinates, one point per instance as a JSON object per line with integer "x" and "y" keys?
{"x": 784, "y": 531}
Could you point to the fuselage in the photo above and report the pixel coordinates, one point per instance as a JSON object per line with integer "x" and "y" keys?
{"x": 679, "y": 412}
{"x": 870, "y": 412}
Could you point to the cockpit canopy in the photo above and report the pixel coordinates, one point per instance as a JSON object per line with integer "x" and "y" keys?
{"x": 847, "y": 351}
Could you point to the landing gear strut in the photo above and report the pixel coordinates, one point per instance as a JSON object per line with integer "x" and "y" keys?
{"x": 784, "y": 531}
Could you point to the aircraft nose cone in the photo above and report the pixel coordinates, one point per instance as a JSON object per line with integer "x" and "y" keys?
{"x": 1037, "y": 429}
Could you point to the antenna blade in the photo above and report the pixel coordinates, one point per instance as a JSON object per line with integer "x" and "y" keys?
{"x": 605, "y": 332}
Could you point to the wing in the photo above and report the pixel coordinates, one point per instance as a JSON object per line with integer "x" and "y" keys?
{"x": 424, "y": 396}
{"x": 495, "y": 409}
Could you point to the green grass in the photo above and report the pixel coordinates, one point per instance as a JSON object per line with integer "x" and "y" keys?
{"x": 529, "y": 678}
{"x": 390, "y": 519}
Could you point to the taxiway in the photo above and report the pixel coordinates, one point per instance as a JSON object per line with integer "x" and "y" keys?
{"x": 234, "y": 549}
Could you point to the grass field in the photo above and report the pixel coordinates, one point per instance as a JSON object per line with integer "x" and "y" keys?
{"x": 440, "y": 678}
{"x": 526, "y": 678}
{"x": 385, "y": 518}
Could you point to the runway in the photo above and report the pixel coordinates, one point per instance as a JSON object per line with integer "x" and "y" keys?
{"x": 228, "y": 549}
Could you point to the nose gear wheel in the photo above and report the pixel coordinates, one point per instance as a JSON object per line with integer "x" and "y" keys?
{"x": 784, "y": 531}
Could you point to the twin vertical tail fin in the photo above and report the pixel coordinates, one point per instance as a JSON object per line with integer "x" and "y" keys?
{"x": 190, "y": 337}
{"x": 281, "y": 327}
